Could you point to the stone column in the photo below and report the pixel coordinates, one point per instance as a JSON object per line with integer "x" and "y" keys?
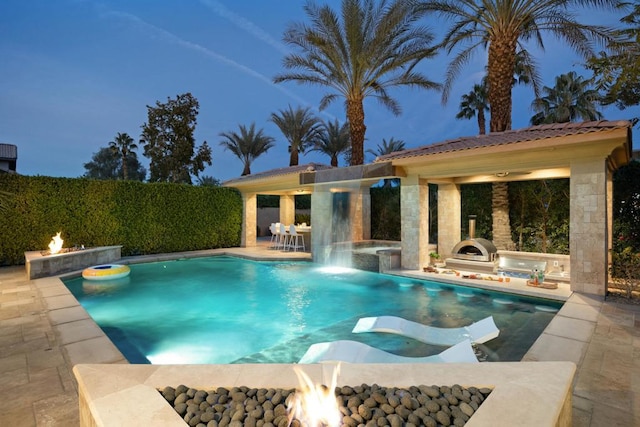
{"x": 287, "y": 209}
{"x": 609, "y": 223}
{"x": 414, "y": 219}
{"x": 449, "y": 218}
{"x": 249, "y": 220}
{"x": 360, "y": 214}
{"x": 321, "y": 229}
{"x": 589, "y": 226}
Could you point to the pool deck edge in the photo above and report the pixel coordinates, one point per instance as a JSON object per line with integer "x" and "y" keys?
{"x": 40, "y": 389}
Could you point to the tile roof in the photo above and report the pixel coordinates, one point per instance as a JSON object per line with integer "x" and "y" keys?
{"x": 8, "y": 151}
{"x": 508, "y": 137}
{"x": 278, "y": 172}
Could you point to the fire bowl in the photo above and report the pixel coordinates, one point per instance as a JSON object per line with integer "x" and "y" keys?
{"x": 524, "y": 393}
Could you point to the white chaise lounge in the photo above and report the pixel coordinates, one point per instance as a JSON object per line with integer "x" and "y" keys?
{"x": 478, "y": 332}
{"x": 357, "y": 352}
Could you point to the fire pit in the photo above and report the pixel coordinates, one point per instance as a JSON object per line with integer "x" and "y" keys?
{"x": 522, "y": 393}
{"x": 358, "y": 405}
{"x": 59, "y": 260}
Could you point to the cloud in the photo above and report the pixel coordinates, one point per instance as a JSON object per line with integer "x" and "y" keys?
{"x": 244, "y": 24}
{"x": 158, "y": 33}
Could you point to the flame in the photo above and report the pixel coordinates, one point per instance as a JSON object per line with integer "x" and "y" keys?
{"x": 315, "y": 405}
{"x": 56, "y": 244}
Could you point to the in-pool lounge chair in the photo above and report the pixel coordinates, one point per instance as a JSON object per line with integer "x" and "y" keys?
{"x": 357, "y": 352}
{"x": 478, "y": 332}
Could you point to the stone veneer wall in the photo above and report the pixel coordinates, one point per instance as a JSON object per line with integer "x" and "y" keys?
{"x": 321, "y": 214}
{"x": 249, "y": 228}
{"x": 287, "y": 209}
{"x": 44, "y": 266}
{"x": 588, "y": 240}
{"x": 414, "y": 214}
{"x": 449, "y": 218}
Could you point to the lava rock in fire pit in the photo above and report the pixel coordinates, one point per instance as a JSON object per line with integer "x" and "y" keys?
{"x": 364, "y": 405}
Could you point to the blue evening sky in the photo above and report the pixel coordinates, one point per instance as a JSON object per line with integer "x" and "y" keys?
{"x": 74, "y": 73}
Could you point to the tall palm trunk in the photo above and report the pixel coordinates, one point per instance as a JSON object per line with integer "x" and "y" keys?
{"x": 500, "y": 211}
{"x": 334, "y": 160}
{"x": 482, "y": 122}
{"x": 502, "y": 54}
{"x": 125, "y": 175}
{"x": 357, "y": 128}
{"x": 294, "y": 158}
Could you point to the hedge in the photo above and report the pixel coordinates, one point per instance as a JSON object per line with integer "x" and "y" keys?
{"x": 145, "y": 218}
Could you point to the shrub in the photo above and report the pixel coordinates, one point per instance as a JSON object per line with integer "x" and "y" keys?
{"x": 625, "y": 271}
{"x": 143, "y": 218}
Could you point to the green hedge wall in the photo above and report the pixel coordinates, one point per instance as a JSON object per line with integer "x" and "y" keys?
{"x": 143, "y": 218}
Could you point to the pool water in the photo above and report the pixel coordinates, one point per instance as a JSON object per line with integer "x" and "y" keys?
{"x": 231, "y": 310}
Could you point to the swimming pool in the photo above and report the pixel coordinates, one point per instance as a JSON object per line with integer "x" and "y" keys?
{"x": 231, "y": 310}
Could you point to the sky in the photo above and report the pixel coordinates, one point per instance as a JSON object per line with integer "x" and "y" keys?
{"x": 74, "y": 73}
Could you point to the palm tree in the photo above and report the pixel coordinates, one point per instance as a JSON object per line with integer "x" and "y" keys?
{"x": 366, "y": 50}
{"x": 248, "y": 145}
{"x": 503, "y": 25}
{"x": 208, "y": 181}
{"x": 475, "y": 104}
{"x": 123, "y": 146}
{"x": 569, "y": 100}
{"x": 332, "y": 140}
{"x": 388, "y": 147}
{"x": 299, "y": 127}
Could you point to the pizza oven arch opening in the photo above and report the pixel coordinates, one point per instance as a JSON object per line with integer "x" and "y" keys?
{"x": 474, "y": 249}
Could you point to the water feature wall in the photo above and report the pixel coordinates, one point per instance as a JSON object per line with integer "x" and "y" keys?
{"x": 338, "y": 219}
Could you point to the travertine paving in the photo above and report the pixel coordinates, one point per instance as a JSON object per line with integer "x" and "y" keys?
{"x": 44, "y": 333}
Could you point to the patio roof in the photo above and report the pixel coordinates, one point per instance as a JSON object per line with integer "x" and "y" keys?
{"x": 535, "y": 152}
{"x": 279, "y": 181}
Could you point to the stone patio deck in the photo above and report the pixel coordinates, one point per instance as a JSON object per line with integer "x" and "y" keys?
{"x": 44, "y": 332}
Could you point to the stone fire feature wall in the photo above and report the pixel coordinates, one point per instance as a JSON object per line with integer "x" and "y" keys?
{"x": 38, "y": 265}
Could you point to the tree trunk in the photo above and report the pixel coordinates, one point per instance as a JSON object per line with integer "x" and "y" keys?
{"x": 334, "y": 160}
{"x": 482, "y": 122}
{"x": 357, "y": 129}
{"x": 247, "y": 169}
{"x": 124, "y": 165}
{"x": 294, "y": 158}
{"x": 500, "y": 211}
{"x": 502, "y": 60}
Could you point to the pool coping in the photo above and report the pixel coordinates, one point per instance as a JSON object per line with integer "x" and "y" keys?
{"x": 85, "y": 343}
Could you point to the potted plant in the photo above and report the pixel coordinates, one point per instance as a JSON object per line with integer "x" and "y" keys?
{"x": 434, "y": 257}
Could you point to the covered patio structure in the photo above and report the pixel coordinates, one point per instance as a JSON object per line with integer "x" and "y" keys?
{"x": 585, "y": 153}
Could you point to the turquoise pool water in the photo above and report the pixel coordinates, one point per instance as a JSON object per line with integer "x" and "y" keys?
{"x": 231, "y": 310}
